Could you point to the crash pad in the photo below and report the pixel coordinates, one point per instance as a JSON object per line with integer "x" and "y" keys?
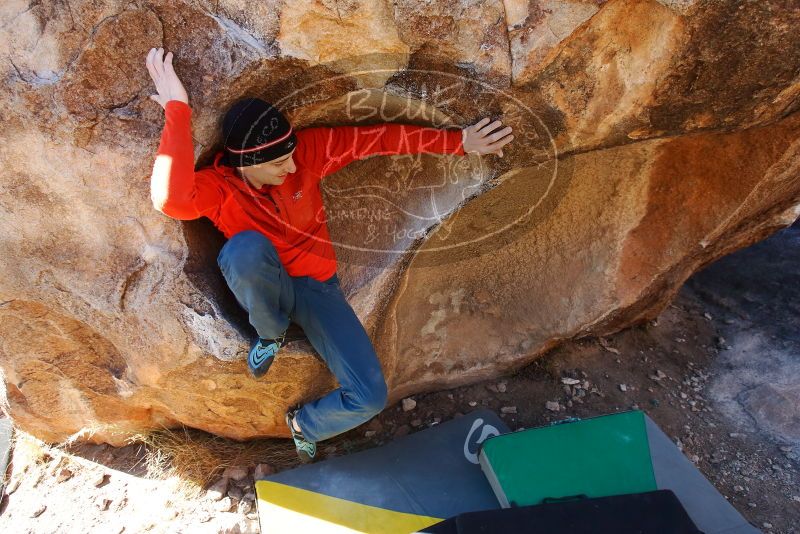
{"x": 606, "y": 455}
{"x": 415, "y": 481}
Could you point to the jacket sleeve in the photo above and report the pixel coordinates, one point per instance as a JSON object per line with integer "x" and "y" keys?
{"x": 335, "y": 147}
{"x": 175, "y": 188}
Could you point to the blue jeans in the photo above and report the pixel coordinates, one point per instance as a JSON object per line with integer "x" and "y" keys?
{"x": 253, "y": 271}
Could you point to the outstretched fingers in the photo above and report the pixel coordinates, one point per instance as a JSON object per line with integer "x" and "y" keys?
{"x": 478, "y": 125}
{"x": 159, "y": 62}
{"x": 498, "y": 134}
{"x": 169, "y": 70}
{"x": 497, "y": 145}
{"x": 490, "y": 127}
{"x": 149, "y": 63}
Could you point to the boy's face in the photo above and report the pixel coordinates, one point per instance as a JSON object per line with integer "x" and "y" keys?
{"x": 272, "y": 172}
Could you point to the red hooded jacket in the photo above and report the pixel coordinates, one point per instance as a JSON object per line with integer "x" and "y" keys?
{"x": 291, "y": 214}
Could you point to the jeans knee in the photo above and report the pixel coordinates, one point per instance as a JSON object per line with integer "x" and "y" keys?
{"x": 243, "y": 251}
{"x": 372, "y": 400}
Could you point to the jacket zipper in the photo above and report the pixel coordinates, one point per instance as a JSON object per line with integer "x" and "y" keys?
{"x": 273, "y": 202}
{"x": 269, "y": 196}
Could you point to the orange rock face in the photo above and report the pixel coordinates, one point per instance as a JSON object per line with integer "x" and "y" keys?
{"x": 651, "y": 137}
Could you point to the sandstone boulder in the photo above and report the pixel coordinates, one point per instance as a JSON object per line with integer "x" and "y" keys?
{"x": 652, "y": 137}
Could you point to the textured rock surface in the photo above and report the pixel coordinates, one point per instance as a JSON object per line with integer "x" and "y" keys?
{"x": 652, "y": 137}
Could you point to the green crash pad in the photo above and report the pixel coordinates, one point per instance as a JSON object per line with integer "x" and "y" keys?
{"x": 614, "y": 454}
{"x": 596, "y": 457}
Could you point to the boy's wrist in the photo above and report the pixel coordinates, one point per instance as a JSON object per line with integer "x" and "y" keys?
{"x": 177, "y": 104}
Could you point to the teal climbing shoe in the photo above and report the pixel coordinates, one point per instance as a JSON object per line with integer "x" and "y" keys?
{"x": 262, "y": 354}
{"x": 306, "y": 449}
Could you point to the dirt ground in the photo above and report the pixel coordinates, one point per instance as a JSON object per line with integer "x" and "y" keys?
{"x": 716, "y": 371}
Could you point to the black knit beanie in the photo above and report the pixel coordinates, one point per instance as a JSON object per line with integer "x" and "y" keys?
{"x": 254, "y": 131}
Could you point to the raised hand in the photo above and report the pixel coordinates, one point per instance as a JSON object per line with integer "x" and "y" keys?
{"x": 484, "y": 138}
{"x": 168, "y": 84}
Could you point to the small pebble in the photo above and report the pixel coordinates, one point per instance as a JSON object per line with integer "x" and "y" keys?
{"x": 244, "y": 507}
{"x": 552, "y": 406}
{"x": 14, "y": 486}
{"x": 39, "y": 510}
{"x": 235, "y": 473}
{"x": 64, "y": 475}
{"x": 409, "y": 404}
{"x": 235, "y": 492}
{"x": 223, "y": 505}
{"x": 217, "y": 490}
{"x": 658, "y": 375}
{"x": 103, "y": 503}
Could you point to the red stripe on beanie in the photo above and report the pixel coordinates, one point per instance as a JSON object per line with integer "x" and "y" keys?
{"x": 259, "y": 147}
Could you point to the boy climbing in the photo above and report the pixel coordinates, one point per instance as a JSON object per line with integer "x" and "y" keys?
{"x": 262, "y": 192}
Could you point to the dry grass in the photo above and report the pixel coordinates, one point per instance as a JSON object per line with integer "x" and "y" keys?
{"x": 197, "y": 458}
{"x": 30, "y": 455}
{"x": 188, "y": 458}
{"x": 30, "y": 451}
{"x": 193, "y": 459}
